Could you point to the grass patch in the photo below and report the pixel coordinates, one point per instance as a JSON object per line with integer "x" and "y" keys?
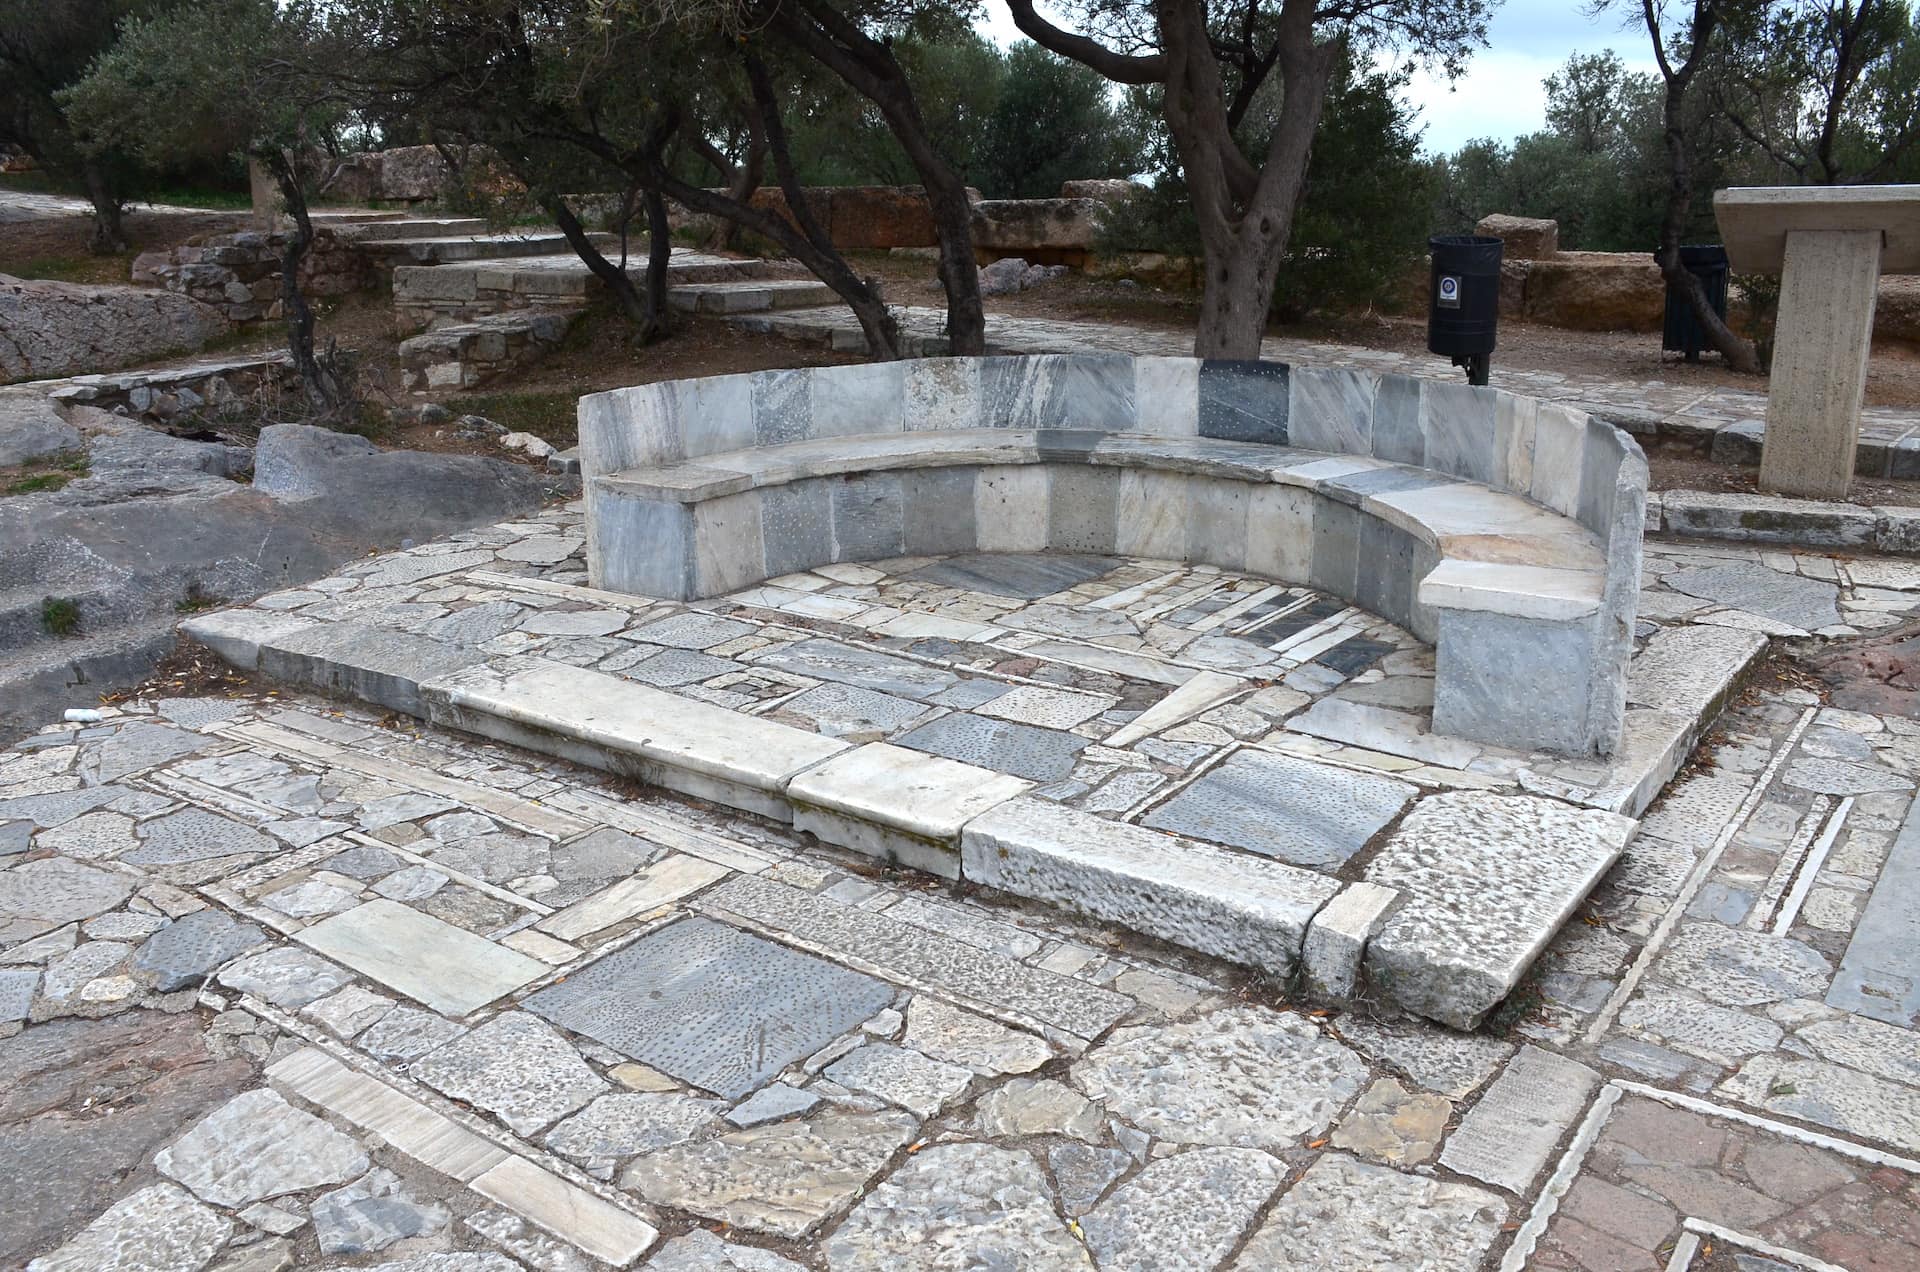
{"x": 33, "y": 479}
{"x": 73, "y": 269}
{"x": 549, "y": 416}
{"x": 60, "y": 615}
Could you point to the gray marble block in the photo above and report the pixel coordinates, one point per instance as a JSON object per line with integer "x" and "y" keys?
{"x": 1397, "y": 434}
{"x": 1515, "y": 682}
{"x": 1458, "y": 421}
{"x": 796, "y": 526}
{"x": 627, "y": 428}
{"x": 1244, "y": 401}
{"x": 869, "y": 519}
{"x": 643, "y": 546}
{"x": 1384, "y": 581}
{"x": 713, "y": 415}
{"x": 1066, "y": 390}
{"x": 1166, "y": 394}
{"x": 1332, "y": 410}
{"x": 1217, "y": 522}
{"x": 942, "y": 393}
{"x": 727, "y": 550}
{"x": 857, "y": 400}
{"x": 939, "y": 511}
{"x": 1082, "y": 509}
{"x": 1336, "y": 546}
{"x": 782, "y": 406}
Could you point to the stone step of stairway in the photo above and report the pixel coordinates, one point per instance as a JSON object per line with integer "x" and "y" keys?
{"x": 454, "y": 248}
{"x": 1447, "y": 915}
{"x": 412, "y": 228}
{"x": 751, "y": 296}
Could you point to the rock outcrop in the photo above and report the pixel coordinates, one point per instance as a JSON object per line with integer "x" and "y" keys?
{"x": 53, "y": 329}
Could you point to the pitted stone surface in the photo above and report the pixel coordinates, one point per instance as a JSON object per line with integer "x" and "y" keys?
{"x": 1829, "y": 1095}
{"x": 1486, "y": 881}
{"x": 712, "y": 1005}
{"x": 960, "y": 1037}
{"x": 187, "y": 950}
{"x": 957, "y": 1207}
{"x": 1300, "y": 812}
{"x": 1183, "y": 1213}
{"x": 371, "y": 1214}
{"x": 258, "y": 1146}
{"x": 1753, "y": 587}
{"x": 771, "y": 1103}
{"x": 92, "y": 836}
{"x": 701, "y": 1251}
{"x": 193, "y": 834}
{"x": 1027, "y": 1106}
{"x": 781, "y": 1179}
{"x": 851, "y": 665}
{"x": 158, "y": 1229}
{"x": 692, "y": 631}
{"x": 285, "y": 977}
{"x": 406, "y": 1033}
{"x": 842, "y": 709}
{"x": 56, "y": 890}
{"x": 1040, "y": 755}
{"x": 1347, "y": 1216}
{"x": 1699, "y": 1027}
{"x": 142, "y": 746}
{"x": 1083, "y": 1173}
{"x": 1239, "y": 1077}
{"x": 900, "y": 1076}
{"x": 626, "y": 1123}
{"x": 16, "y": 992}
{"x": 516, "y": 1067}
{"x": 1743, "y": 968}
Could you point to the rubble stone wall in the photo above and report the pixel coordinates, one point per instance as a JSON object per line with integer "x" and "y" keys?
{"x": 239, "y": 274}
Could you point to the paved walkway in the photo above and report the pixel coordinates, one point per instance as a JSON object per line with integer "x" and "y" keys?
{"x": 425, "y": 1043}
{"x": 1728, "y": 423}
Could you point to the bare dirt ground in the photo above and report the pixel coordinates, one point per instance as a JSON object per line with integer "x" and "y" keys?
{"x": 56, "y": 247}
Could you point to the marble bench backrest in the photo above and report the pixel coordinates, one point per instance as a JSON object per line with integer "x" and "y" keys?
{"x": 1555, "y": 455}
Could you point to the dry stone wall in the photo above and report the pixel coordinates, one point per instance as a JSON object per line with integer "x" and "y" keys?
{"x": 239, "y": 274}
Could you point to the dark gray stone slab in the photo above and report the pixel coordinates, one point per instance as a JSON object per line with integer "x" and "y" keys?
{"x": 193, "y": 834}
{"x": 1295, "y": 810}
{"x": 142, "y": 746}
{"x": 841, "y": 709}
{"x": 1751, "y": 586}
{"x": 1040, "y": 755}
{"x": 1023, "y": 576}
{"x": 1081, "y": 507}
{"x": 1880, "y": 973}
{"x": 782, "y": 406}
{"x": 1244, "y": 401}
{"x": 15, "y": 836}
{"x": 711, "y": 1005}
{"x": 939, "y": 511}
{"x": 796, "y": 526}
{"x": 851, "y": 665}
{"x": 186, "y": 951}
{"x": 868, "y": 520}
{"x": 58, "y": 807}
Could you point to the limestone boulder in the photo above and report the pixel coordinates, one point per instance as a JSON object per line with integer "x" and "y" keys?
{"x": 1596, "y": 291}
{"x": 52, "y": 329}
{"x": 1009, "y": 227}
{"x": 1526, "y": 238}
{"x": 412, "y": 493}
{"x": 30, "y": 429}
{"x": 1105, "y": 189}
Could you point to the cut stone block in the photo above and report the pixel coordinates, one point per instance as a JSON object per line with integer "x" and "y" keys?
{"x": 712, "y": 1005}
{"x": 898, "y": 805}
{"x": 448, "y": 968}
{"x": 369, "y": 664}
{"x": 1242, "y": 908}
{"x": 237, "y": 634}
{"x": 1487, "y": 880}
{"x": 1336, "y": 940}
{"x": 1508, "y": 1137}
{"x": 1295, "y": 810}
{"x": 609, "y": 723}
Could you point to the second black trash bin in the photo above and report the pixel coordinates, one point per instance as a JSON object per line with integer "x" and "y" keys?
{"x": 1708, "y": 263}
{"x": 1463, "y": 305}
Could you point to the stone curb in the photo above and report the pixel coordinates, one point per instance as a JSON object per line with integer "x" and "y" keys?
{"x": 1743, "y": 518}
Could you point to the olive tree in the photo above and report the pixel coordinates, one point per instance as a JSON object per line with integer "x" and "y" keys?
{"x": 1210, "y": 61}
{"x": 257, "y": 77}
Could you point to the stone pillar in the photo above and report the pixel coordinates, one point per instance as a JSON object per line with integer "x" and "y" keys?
{"x": 269, "y": 209}
{"x": 1819, "y": 378}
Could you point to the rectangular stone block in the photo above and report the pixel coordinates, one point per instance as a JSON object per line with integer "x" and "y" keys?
{"x": 782, "y": 406}
{"x": 613, "y": 724}
{"x": 644, "y": 546}
{"x": 448, "y": 968}
{"x": 869, "y": 517}
{"x": 1458, "y": 423}
{"x": 1245, "y": 401}
{"x": 1559, "y": 450}
{"x": 366, "y": 664}
{"x": 1076, "y": 390}
{"x": 1513, "y": 433}
{"x": 1485, "y": 663}
{"x": 628, "y": 428}
{"x": 937, "y": 506}
{"x": 1167, "y": 396}
{"x": 1217, "y": 522}
{"x": 1332, "y": 410}
{"x": 796, "y": 526}
{"x": 236, "y": 634}
{"x": 1280, "y": 533}
{"x": 1082, "y": 509}
{"x": 1755, "y": 518}
{"x": 859, "y": 399}
{"x": 898, "y": 805}
{"x": 942, "y": 393}
{"x": 1828, "y": 289}
{"x": 1233, "y": 906}
{"x": 728, "y": 552}
{"x": 1510, "y": 1135}
{"x": 1151, "y": 514}
{"x": 1012, "y": 508}
{"x": 1879, "y": 976}
{"x": 1398, "y": 436}
{"x": 1337, "y": 939}
{"x": 711, "y": 415}
{"x": 1336, "y": 547}
{"x": 1383, "y": 572}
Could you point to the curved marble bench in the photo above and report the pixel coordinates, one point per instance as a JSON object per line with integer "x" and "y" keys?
{"x": 1504, "y": 530}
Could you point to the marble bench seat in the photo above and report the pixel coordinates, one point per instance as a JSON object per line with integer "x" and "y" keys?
{"x": 1504, "y": 531}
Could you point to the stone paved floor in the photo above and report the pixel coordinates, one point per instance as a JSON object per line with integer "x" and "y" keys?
{"x": 1727, "y": 422}
{"x": 289, "y": 984}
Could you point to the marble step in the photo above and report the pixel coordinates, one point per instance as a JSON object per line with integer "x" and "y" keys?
{"x": 1452, "y": 910}
{"x": 756, "y": 296}
{"x": 411, "y": 228}
{"x": 469, "y": 247}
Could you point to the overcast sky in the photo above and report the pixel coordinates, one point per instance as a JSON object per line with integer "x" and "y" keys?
{"x": 1500, "y": 95}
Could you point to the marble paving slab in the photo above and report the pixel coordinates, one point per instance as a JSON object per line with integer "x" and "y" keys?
{"x": 448, "y": 968}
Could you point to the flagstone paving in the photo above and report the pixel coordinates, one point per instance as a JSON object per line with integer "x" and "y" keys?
{"x": 603, "y": 1025}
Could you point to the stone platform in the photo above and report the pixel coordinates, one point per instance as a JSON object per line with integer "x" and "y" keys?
{"x": 1236, "y": 750}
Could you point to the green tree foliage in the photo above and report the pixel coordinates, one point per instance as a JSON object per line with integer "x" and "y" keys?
{"x": 1015, "y": 124}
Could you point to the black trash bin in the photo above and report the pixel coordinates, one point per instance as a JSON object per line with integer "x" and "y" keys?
{"x": 1463, "y": 305}
{"x": 1708, "y": 263}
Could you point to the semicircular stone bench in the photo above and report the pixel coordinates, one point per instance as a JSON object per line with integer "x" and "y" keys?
{"x": 1504, "y": 530}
